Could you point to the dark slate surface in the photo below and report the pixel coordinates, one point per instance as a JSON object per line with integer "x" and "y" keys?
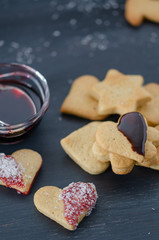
{"x": 63, "y": 40}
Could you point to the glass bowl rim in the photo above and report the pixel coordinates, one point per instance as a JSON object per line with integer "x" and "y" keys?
{"x": 45, "y": 103}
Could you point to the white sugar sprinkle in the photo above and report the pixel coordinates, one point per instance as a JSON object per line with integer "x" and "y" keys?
{"x": 78, "y": 198}
{"x": 53, "y": 54}
{"x": 73, "y": 22}
{"x": 56, "y": 33}
{"x": 14, "y": 45}
{"x": 1, "y": 43}
{"x": 55, "y": 16}
{"x": 46, "y": 44}
{"x": 98, "y": 21}
{"x": 10, "y": 169}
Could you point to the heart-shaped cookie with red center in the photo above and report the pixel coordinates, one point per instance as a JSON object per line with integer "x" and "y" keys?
{"x": 19, "y": 170}
{"x": 67, "y": 206}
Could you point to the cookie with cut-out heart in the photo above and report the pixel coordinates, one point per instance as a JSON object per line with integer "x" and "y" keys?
{"x": 119, "y": 93}
{"x": 67, "y": 206}
{"x": 78, "y": 145}
{"x": 78, "y": 102}
{"x": 138, "y": 10}
{"x": 150, "y": 109}
{"x": 19, "y": 170}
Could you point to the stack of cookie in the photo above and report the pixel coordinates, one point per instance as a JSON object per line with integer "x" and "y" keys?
{"x": 124, "y": 144}
{"x": 129, "y": 142}
{"x": 116, "y": 94}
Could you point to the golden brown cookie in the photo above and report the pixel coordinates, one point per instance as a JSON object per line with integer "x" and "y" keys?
{"x": 68, "y": 206}
{"x": 78, "y": 102}
{"x": 138, "y": 10}
{"x": 155, "y": 164}
{"x": 113, "y": 145}
{"x": 119, "y": 93}
{"x": 19, "y": 170}
{"x": 121, "y": 165}
{"x": 150, "y": 110}
{"x": 78, "y": 145}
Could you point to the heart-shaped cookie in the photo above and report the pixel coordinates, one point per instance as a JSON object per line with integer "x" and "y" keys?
{"x": 78, "y": 145}
{"x": 79, "y": 102}
{"x": 19, "y": 170}
{"x": 68, "y": 206}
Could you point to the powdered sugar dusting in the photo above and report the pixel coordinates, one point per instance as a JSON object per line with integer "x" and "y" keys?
{"x": 10, "y": 171}
{"x": 78, "y": 198}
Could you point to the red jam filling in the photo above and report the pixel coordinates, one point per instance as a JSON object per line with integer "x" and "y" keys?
{"x": 11, "y": 171}
{"x": 78, "y": 198}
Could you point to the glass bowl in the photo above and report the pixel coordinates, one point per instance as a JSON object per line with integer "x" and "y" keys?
{"x": 33, "y": 86}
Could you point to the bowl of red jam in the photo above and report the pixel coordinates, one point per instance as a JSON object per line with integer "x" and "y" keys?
{"x": 24, "y": 99}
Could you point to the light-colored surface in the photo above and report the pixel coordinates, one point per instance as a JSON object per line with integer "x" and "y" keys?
{"x": 119, "y": 93}
{"x": 78, "y": 145}
{"x": 47, "y": 201}
{"x": 31, "y": 162}
{"x": 137, "y": 10}
{"x": 78, "y": 102}
{"x": 151, "y": 109}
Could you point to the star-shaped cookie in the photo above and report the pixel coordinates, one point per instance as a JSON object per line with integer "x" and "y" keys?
{"x": 119, "y": 93}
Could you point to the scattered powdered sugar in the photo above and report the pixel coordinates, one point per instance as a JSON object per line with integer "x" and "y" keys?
{"x": 53, "y": 54}
{"x": 14, "y": 45}
{"x": 84, "y": 6}
{"x": 95, "y": 41}
{"x": 153, "y": 37}
{"x": 1, "y": 43}
{"x": 25, "y": 55}
{"x": 78, "y": 198}
{"x": 60, "y": 119}
{"x": 73, "y": 21}
{"x": 10, "y": 171}
{"x": 98, "y": 21}
{"x": 56, "y": 33}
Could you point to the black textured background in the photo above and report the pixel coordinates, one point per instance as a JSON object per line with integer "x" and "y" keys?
{"x": 63, "y": 40}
